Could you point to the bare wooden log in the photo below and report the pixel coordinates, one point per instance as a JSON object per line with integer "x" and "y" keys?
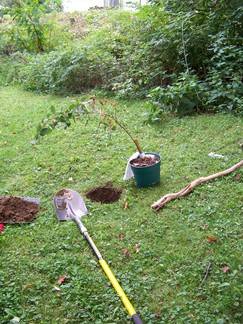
{"x": 171, "y": 196}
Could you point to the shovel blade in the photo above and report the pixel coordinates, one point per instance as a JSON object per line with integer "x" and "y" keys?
{"x": 66, "y": 199}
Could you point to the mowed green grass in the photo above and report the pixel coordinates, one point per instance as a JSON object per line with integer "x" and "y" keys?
{"x": 159, "y": 258}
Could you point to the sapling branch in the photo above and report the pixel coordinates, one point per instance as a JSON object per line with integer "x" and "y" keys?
{"x": 135, "y": 140}
{"x": 117, "y": 121}
{"x": 85, "y": 110}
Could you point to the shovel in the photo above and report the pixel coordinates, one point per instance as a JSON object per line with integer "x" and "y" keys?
{"x": 70, "y": 205}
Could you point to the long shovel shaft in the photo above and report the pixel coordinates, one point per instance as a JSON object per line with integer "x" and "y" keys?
{"x": 69, "y": 204}
{"x": 130, "y": 309}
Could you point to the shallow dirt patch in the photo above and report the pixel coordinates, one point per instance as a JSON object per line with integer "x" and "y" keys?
{"x": 17, "y": 210}
{"x": 104, "y": 195}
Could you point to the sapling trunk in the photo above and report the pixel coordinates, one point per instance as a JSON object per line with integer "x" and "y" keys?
{"x": 135, "y": 140}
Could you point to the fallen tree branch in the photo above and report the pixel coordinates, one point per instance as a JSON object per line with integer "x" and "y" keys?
{"x": 206, "y": 276}
{"x": 165, "y": 199}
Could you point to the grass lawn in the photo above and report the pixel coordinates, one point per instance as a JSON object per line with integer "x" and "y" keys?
{"x": 159, "y": 258}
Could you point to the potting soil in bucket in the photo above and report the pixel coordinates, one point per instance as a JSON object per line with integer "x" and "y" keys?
{"x": 146, "y": 171}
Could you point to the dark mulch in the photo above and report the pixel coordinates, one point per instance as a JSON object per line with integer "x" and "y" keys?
{"x": 17, "y": 210}
{"x": 104, "y": 195}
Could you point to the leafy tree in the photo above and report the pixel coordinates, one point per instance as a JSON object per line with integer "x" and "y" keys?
{"x": 29, "y": 30}
{"x": 51, "y": 5}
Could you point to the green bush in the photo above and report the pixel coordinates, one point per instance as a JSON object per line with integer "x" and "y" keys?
{"x": 183, "y": 97}
{"x": 10, "y": 68}
{"x": 69, "y": 71}
{"x": 7, "y": 46}
{"x": 87, "y": 63}
{"x": 212, "y": 55}
{"x": 224, "y": 79}
{"x": 152, "y": 57}
{"x": 222, "y": 89}
{"x": 163, "y": 45}
{"x": 185, "y": 55}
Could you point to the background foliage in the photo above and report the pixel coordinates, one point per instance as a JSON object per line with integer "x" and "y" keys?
{"x": 184, "y": 57}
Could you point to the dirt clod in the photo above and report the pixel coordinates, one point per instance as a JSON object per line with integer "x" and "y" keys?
{"x": 17, "y": 210}
{"x": 104, "y": 195}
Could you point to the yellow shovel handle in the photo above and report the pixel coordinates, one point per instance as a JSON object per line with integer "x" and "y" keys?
{"x": 130, "y": 309}
{"x": 117, "y": 287}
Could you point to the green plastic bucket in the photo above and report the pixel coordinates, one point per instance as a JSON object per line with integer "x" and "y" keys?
{"x": 148, "y": 175}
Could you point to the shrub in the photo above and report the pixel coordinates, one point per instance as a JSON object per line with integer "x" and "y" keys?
{"x": 10, "y": 68}
{"x": 183, "y": 97}
{"x": 164, "y": 45}
{"x": 177, "y": 52}
{"x": 210, "y": 46}
{"x": 222, "y": 89}
{"x": 90, "y": 62}
{"x": 224, "y": 79}
{"x": 152, "y": 56}
{"x": 69, "y": 71}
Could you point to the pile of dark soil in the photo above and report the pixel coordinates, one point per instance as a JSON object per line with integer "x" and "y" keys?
{"x": 143, "y": 162}
{"x": 17, "y": 210}
{"x": 104, "y": 195}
